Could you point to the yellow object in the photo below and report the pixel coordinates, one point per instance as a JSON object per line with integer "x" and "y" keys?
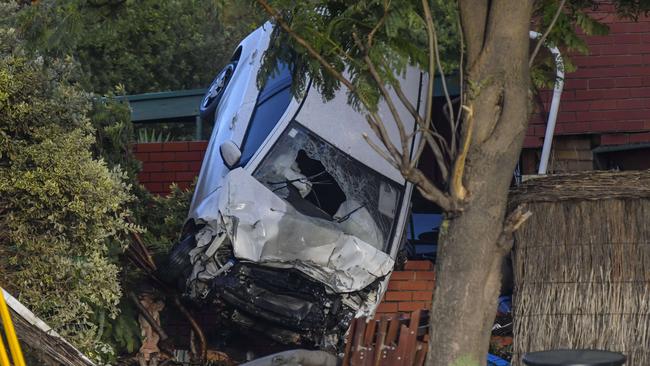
{"x": 12, "y": 339}
{"x": 4, "y": 359}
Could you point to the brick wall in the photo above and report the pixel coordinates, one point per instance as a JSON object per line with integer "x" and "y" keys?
{"x": 169, "y": 162}
{"x": 609, "y": 94}
{"x": 409, "y": 289}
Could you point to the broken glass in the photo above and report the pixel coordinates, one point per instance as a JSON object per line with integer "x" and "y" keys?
{"x": 319, "y": 180}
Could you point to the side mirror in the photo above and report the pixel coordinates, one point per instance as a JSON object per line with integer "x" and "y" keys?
{"x": 230, "y": 154}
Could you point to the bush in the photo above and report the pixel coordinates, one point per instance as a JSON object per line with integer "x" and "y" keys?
{"x": 62, "y": 211}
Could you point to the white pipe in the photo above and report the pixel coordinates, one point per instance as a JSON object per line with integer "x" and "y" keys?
{"x": 555, "y": 103}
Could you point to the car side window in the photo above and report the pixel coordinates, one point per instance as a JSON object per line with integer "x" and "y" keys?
{"x": 272, "y": 102}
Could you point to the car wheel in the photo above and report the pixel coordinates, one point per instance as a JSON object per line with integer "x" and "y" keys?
{"x": 178, "y": 263}
{"x": 215, "y": 92}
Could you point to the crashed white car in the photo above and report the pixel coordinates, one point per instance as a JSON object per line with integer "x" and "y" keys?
{"x": 296, "y": 221}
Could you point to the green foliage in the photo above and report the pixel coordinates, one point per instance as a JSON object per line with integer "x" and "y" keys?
{"x": 145, "y": 135}
{"x": 164, "y": 216}
{"x": 145, "y": 45}
{"x": 62, "y": 212}
{"x": 399, "y": 40}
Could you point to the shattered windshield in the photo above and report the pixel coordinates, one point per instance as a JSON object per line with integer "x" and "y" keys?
{"x": 321, "y": 181}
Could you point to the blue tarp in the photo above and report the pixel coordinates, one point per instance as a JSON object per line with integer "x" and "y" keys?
{"x": 496, "y": 361}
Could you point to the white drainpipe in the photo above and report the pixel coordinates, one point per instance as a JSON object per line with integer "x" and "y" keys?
{"x": 555, "y": 104}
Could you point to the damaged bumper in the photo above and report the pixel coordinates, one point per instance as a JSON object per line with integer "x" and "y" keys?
{"x": 257, "y": 254}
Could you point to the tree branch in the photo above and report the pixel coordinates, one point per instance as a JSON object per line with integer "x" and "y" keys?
{"x": 312, "y": 52}
{"x": 458, "y": 191}
{"x": 389, "y": 101}
{"x": 511, "y": 224}
{"x": 546, "y": 33}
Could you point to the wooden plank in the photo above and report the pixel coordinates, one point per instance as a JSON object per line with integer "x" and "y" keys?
{"x": 393, "y": 327}
{"x": 358, "y": 352}
{"x": 348, "y": 344}
{"x": 411, "y": 340}
{"x": 421, "y": 353}
{"x": 369, "y": 336}
{"x": 381, "y": 338}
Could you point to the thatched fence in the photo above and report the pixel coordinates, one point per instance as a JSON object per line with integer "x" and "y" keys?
{"x": 582, "y": 264}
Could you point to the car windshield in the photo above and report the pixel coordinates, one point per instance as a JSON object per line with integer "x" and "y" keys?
{"x": 321, "y": 181}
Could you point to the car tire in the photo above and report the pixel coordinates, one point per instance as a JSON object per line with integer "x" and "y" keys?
{"x": 212, "y": 97}
{"x": 178, "y": 263}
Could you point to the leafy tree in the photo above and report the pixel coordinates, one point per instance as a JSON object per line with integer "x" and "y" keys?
{"x": 145, "y": 45}
{"x": 62, "y": 212}
{"x": 366, "y": 45}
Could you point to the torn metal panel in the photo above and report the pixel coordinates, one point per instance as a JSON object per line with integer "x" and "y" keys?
{"x": 265, "y": 229}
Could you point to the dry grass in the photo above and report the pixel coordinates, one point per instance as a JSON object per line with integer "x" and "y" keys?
{"x": 582, "y": 265}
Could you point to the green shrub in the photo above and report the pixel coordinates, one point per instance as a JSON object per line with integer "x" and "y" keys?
{"x": 62, "y": 211}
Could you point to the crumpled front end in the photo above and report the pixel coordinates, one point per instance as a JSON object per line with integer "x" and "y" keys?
{"x": 302, "y": 275}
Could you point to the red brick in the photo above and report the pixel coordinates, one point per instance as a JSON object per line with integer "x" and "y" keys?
{"x": 636, "y": 138}
{"x": 418, "y": 265}
{"x": 175, "y": 166}
{"x": 175, "y": 146}
{"x": 629, "y": 82}
{"x": 626, "y": 38}
{"x": 630, "y": 125}
{"x": 142, "y": 156}
{"x": 604, "y": 104}
{"x": 163, "y": 177}
{"x": 601, "y": 83}
{"x": 532, "y": 141}
{"x": 426, "y": 276}
{"x": 577, "y": 127}
{"x": 411, "y": 306}
{"x": 574, "y": 106}
{"x": 198, "y": 145}
{"x": 402, "y": 275}
{"x": 591, "y": 116}
{"x": 607, "y": 126}
{"x": 190, "y": 156}
{"x": 600, "y": 40}
{"x": 614, "y": 139}
{"x": 616, "y": 93}
{"x": 143, "y": 177}
{"x": 161, "y": 156}
{"x": 589, "y": 94}
{"x": 414, "y": 285}
{"x": 154, "y": 187}
{"x": 565, "y": 117}
{"x": 185, "y": 176}
{"x": 577, "y": 84}
{"x": 387, "y": 307}
{"x": 194, "y": 166}
{"x": 639, "y": 92}
{"x": 632, "y": 103}
{"x": 610, "y": 60}
{"x": 152, "y": 167}
{"x": 393, "y": 285}
{"x": 398, "y": 296}
{"x": 423, "y": 295}
{"x": 148, "y": 147}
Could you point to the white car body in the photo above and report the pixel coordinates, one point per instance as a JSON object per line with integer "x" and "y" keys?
{"x": 350, "y": 250}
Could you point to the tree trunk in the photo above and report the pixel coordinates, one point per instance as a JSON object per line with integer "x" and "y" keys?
{"x": 470, "y": 254}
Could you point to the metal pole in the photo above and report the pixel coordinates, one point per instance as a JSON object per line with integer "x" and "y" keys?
{"x": 555, "y": 104}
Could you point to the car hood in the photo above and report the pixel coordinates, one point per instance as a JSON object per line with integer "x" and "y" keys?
{"x": 267, "y": 230}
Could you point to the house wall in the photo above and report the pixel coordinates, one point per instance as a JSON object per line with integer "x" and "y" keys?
{"x": 409, "y": 289}
{"x": 169, "y": 162}
{"x": 608, "y": 97}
